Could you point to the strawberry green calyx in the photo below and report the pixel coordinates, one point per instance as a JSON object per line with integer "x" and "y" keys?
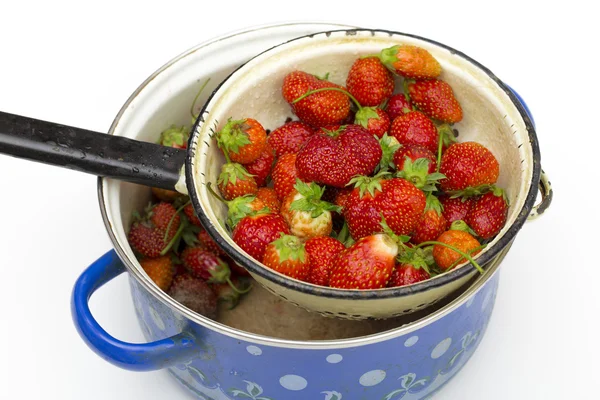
{"x": 231, "y": 172}
{"x": 290, "y": 247}
{"x": 221, "y": 273}
{"x": 419, "y": 258}
{"x": 417, "y": 173}
{"x": 446, "y": 138}
{"x": 433, "y": 203}
{"x": 233, "y": 136}
{"x": 364, "y": 114}
{"x": 237, "y": 208}
{"x": 462, "y": 253}
{"x": 461, "y": 225}
{"x": 476, "y": 191}
{"x": 388, "y": 57}
{"x": 175, "y": 136}
{"x": 322, "y": 77}
{"x": 334, "y": 132}
{"x": 389, "y": 145}
{"x": 400, "y": 240}
{"x": 310, "y": 200}
{"x": 369, "y": 183}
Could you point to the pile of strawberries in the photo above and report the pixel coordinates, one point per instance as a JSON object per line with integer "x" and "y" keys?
{"x": 369, "y": 188}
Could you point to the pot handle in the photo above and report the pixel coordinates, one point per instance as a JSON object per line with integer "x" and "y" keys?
{"x": 131, "y": 356}
{"x": 96, "y": 153}
{"x": 545, "y": 187}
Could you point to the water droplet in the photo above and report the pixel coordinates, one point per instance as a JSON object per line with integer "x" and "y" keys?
{"x": 143, "y": 164}
{"x": 155, "y": 174}
{"x": 101, "y": 154}
{"x": 83, "y": 155}
{"x": 136, "y": 169}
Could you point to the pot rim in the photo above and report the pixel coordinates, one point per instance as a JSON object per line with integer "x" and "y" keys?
{"x": 135, "y": 271}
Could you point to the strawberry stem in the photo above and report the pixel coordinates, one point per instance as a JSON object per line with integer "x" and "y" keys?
{"x": 173, "y": 219}
{"x": 212, "y": 191}
{"x": 173, "y": 240}
{"x": 455, "y": 263}
{"x": 235, "y": 289}
{"x": 305, "y": 95}
{"x": 462, "y": 253}
{"x": 439, "y": 152}
{"x": 194, "y": 116}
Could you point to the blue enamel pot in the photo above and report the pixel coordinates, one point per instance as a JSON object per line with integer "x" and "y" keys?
{"x": 267, "y": 348}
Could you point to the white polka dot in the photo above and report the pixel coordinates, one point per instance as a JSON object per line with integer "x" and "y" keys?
{"x": 486, "y": 300}
{"x": 293, "y": 382}
{"x": 441, "y": 348}
{"x": 334, "y": 358}
{"x": 411, "y": 341}
{"x": 372, "y": 378}
{"x": 470, "y": 301}
{"x": 157, "y": 319}
{"x": 255, "y": 351}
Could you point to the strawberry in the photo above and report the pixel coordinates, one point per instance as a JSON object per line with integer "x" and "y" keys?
{"x": 333, "y": 159}
{"x": 413, "y": 153}
{"x": 342, "y": 196}
{"x": 206, "y": 265}
{"x": 242, "y": 140}
{"x": 261, "y": 167}
{"x": 269, "y": 198}
{"x": 151, "y": 235}
{"x": 389, "y": 147}
{"x": 445, "y": 257}
{"x": 398, "y": 200}
{"x": 375, "y": 120}
{"x": 175, "y": 136}
{"x": 432, "y": 223}
{"x": 290, "y": 137}
{"x": 225, "y": 293}
{"x": 306, "y": 214}
{"x": 163, "y": 214}
{"x": 254, "y": 232}
{"x": 370, "y": 82}
{"x": 410, "y": 62}
{"x": 414, "y": 128}
{"x": 194, "y": 294}
{"x": 418, "y": 174}
{"x": 407, "y": 274}
{"x": 239, "y": 207}
{"x": 321, "y": 253}
{"x": 166, "y": 195}
{"x": 367, "y": 264}
{"x": 468, "y": 165}
{"x": 189, "y": 212}
{"x": 397, "y": 105}
{"x": 284, "y": 175}
{"x": 234, "y": 181}
{"x": 435, "y": 99}
{"x": 209, "y": 244}
{"x": 488, "y": 214}
{"x": 455, "y": 208}
{"x": 160, "y": 270}
{"x": 287, "y": 256}
{"x": 317, "y": 109}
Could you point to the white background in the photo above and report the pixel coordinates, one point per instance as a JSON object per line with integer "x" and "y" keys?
{"x": 78, "y": 63}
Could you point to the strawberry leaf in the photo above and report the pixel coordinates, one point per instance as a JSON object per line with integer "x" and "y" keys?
{"x": 460, "y": 225}
{"x": 174, "y": 136}
{"x": 310, "y": 200}
{"x": 368, "y": 183}
{"x": 433, "y": 203}
{"x": 239, "y": 208}
{"x": 289, "y": 247}
{"x": 231, "y": 172}
{"x": 363, "y": 116}
{"x": 233, "y": 136}
{"x": 389, "y": 145}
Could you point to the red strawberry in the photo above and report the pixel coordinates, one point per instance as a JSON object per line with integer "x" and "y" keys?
{"x": 253, "y": 233}
{"x": 175, "y": 136}
{"x": 234, "y": 181}
{"x": 261, "y": 167}
{"x": 468, "y": 165}
{"x": 242, "y": 140}
{"x": 284, "y": 175}
{"x": 370, "y": 82}
{"x": 191, "y": 214}
{"x": 335, "y": 158}
{"x": 209, "y": 244}
{"x": 160, "y": 270}
{"x": 418, "y": 172}
{"x": 455, "y": 208}
{"x": 414, "y": 152}
{"x": 163, "y": 214}
{"x": 342, "y": 196}
{"x": 195, "y": 294}
{"x": 306, "y": 214}
{"x": 287, "y": 256}
{"x": 446, "y": 258}
{"x": 148, "y": 236}
{"x": 367, "y": 264}
{"x": 204, "y": 264}
{"x": 432, "y": 223}
{"x": 269, "y": 198}
{"x": 488, "y": 214}
{"x": 411, "y": 62}
{"x": 375, "y": 120}
{"x": 321, "y": 253}
{"x": 435, "y": 99}
{"x": 289, "y": 138}
{"x": 396, "y": 106}
{"x": 318, "y": 109}
{"x": 407, "y": 274}
{"x": 414, "y": 128}
{"x": 239, "y": 207}
{"x": 398, "y": 200}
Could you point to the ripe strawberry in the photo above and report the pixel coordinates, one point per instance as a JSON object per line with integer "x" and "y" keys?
{"x": 370, "y": 82}
{"x": 284, "y": 175}
{"x": 318, "y": 109}
{"x": 234, "y": 181}
{"x": 367, "y": 264}
{"x": 160, "y": 270}
{"x": 374, "y": 120}
{"x": 410, "y": 62}
{"x": 468, "y": 165}
{"x": 254, "y": 232}
{"x": 407, "y": 274}
{"x": 148, "y": 235}
{"x": 287, "y": 256}
{"x": 435, "y": 99}
{"x": 209, "y": 244}
{"x": 290, "y": 137}
{"x": 488, "y": 214}
{"x": 398, "y": 200}
{"x": 191, "y": 214}
{"x": 262, "y": 166}
{"x": 414, "y": 128}
{"x": 321, "y": 253}
{"x": 194, "y": 294}
{"x": 418, "y": 174}
{"x": 306, "y": 213}
{"x": 414, "y": 152}
{"x": 239, "y": 207}
{"x": 432, "y": 223}
{"x": 397, "y": 105}
{"x": 242, "y": 140}
{"x": 162, "y": 214}
{"x": 204, "y": 264}
{"x": 342, "y": 196}
{"x": 166, "y": 195}
{"x": 446, "y": 258}
{"x": 455, "y": 208}
{"x": 269, "y": 198}
{"x": 333, "y": 159}
{"x": 175, "y": 136}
